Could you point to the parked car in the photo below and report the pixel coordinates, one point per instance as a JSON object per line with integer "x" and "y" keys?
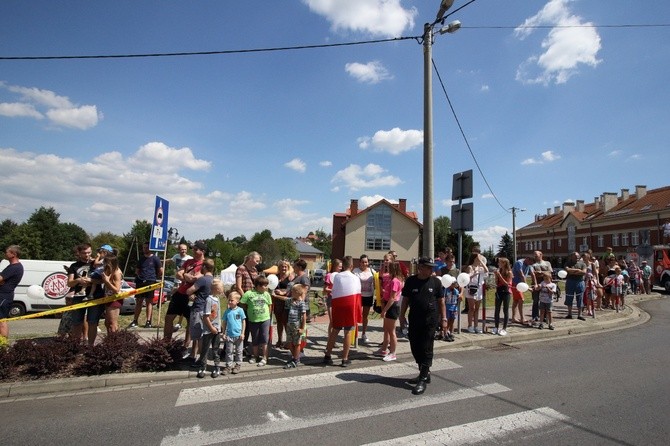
{"x": 129, "y": 303}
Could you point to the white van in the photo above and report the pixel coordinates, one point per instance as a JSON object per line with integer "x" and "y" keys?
{"x": 50, "y": 275}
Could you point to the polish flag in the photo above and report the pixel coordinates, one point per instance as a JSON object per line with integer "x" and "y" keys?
{"x": 346, "y": 303}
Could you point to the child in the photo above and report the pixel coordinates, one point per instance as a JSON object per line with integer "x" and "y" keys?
{"x": 295, "y": 325}
{"x": 617, "y": 281}
{"x": 212, "y": 327}
{"x": 391, "y": 295}
{"x": 591, "y": 290}
{"x": 451, "y": 299}
{"x": 197, "y": 295}
{"x": 547, "y": 290}
{"x": 232, "y": 326}
{"x": 257, "y": 303}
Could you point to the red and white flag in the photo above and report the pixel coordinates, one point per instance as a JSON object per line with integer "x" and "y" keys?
{"x": 346, "y": 300}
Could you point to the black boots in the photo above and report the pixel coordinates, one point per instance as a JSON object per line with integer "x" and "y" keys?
{"x": 415, "y": 381}
{"x": 423, "y": 380}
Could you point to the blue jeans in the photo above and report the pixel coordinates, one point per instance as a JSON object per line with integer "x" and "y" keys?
{"x": 574, "y": 289}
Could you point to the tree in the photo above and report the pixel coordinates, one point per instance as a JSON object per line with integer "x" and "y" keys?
{"x": 442, "y": 232}
{"x": 286, "y": 249}
{"x": 6, "y": 228}
{"x": 506, "y": 247}
{"x": 323, "y": 242}
{"x": 131, "y": 248}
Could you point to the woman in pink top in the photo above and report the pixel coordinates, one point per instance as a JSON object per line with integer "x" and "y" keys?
{"x": 391, "y": 293}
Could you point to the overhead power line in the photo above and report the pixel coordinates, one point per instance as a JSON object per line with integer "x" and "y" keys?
{"x": 305, "y": 47}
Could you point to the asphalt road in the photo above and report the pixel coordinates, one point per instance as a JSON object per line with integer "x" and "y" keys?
{"x": 597, "y": 389}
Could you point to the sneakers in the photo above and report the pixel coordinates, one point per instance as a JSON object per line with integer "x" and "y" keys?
{"x": 390, "y": 357}
{"x": 216, "y": 372}
{"x": 449, "y": 337}
{"x": 175, "y": 328}
{"x": 133, "y": 324}
{"x": 478, "y": 330}
{"x": 364, "y": 338}
{"x": 225, "y": 371}
{"x": 147, "y": 325}
{"x": 201, "y": 373}
{"x": 551, "y": 327}
{"x": 471, "y": 329}
{"x": 581, "y": 318}
{"x": 328, "y": 360}
{"x": 291, "y": 365}
{"x": 494, "y": 331}
{"x": 346, "y": 362}
{"x": 540, "y": 326}
{"x": 252, "y": 360}
{"x": 381, "y": 353}
{"x": 236, "y": 369}
{"x": 261, "y": 363}
{"x": 502, "y": 332}
{"x": 569, "y": 316}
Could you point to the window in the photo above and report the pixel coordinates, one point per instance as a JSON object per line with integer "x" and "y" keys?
{"x": 624, "y": 239}
{"x": 548, "y": 245}
{"x": 378, "y": 229}
{"x": 585, "y": 241}
{"x": 559, "y": 242}
{"x": 615, "y": 239}
{"x": 601, "y": 241}
{"x": 635, "y": 238}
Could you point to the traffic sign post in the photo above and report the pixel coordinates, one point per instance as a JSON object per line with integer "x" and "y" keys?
{"x": 159, "y": 231}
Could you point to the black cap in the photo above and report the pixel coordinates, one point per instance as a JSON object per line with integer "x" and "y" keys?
{"x": 200, "y": 245}
{"x": 426, "y": 261}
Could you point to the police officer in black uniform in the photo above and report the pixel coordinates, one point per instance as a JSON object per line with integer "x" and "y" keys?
{"x": 422, "y": 293}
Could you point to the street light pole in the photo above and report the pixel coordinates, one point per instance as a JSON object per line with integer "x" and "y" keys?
{"x": 514, "y": 210}
{"x": 428, "y": 228}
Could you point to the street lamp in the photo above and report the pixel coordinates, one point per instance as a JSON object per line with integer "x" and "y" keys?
{"x": 173, "y": 235}
{"x": 428, "y": 34}
{"x": 514, "y": 211}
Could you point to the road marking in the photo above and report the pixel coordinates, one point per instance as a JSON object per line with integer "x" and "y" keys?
{"x": 484, "y": 430}
{"x": 220, "y": 392}
{"x": 195, "y": 435}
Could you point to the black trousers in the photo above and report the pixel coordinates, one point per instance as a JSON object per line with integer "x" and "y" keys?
{"x": 421, "y": 340}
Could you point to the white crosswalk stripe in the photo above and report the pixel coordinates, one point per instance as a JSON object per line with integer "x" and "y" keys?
{"x": 199, "y": 395}
{"x": 513, "y": 425}
{"x": 195, "y": 435}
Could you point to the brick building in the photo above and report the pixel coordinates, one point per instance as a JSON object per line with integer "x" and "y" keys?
{"x": 628, "y": 223}
{"x": 376, "y": 230}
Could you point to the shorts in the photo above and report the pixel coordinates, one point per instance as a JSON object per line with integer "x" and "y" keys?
{"x": 546, "y": 306}
{"x": 348, "y": 328}
{"x": 146, "y": 294}
{"x": 115, "y": 304}
{"x": 293, "y": 334}
{"x": 94, "y": 314}
{"x": 574, "y": 289}
{"x": 329, "y": 301}
{"x": 77, "y": 316}
{"x": 195, "y": 324}
{"x": 451, "y": 314}
{"x": 260, "y": 332}
{"x": 516, "y": 294}
{"x": 367, "y": 301}
{"x": 393, "y": 312}
{"x": 179, "y": 305}
{"x": 5, "y": 304}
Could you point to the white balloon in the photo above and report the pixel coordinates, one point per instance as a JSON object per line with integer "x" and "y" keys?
{"x": 35, "y": 292}
{"x": 562, "y": 274}
{"x": 463, "y": 279}
{"x": 522, "y": 287}
{"x": 273, "y": 281}
{"x": 447, "y": 280}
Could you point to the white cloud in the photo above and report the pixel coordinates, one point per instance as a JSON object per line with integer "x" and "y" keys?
{"x": 490, "y": 237}
{"x": 369, "y": 73}
{"x": 163, "y": 158}
{"x": 484, "y": 88}
{"x": 325, "y": 163}
{"x": 19, "y": 110}
{"x": 368, "y": 200}
{"x": 448, "y": 203}
{"x": 355, "y": 177}
{"x": 487, "y": 196}
{"x": 545, "y": 157}
{"x": 615, "y": 153}
{"x": 394, "y": 141}
{"x": 58, "y": 109}
{"x": 296, "y": 164}
{"x": 571, "y": 43}
{"x": 385, "y": 18}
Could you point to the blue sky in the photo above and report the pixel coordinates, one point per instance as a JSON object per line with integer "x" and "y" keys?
{"x": 559, "y": 110}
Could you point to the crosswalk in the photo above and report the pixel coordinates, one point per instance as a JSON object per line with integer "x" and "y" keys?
{"x": 506, "y": 426}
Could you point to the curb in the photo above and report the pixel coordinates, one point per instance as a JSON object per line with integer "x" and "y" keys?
{"x": 631, "y": 317}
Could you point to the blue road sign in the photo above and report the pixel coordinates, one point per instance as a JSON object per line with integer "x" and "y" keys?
{"x": 159, "y": 231}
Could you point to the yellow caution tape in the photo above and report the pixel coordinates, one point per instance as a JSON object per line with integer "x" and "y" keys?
{"x": 88, "y": 303}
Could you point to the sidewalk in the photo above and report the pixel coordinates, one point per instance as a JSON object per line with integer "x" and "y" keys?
{"x": 605, "y": 320}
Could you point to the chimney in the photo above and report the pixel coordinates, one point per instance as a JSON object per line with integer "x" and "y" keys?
{"x": 596, "y": 201}
{"x": 548, "y": 211}
{"x": 580, "y": 205}
{"x": 610, "y": 200}
{"x": 402, "y": 205}
{"x": 557, "y": 209}
{"x": 640, "y": 191}
{"x": 624, "y": 194}
{"x": 353, "y": 207}
{"x": 568, "y": 207}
